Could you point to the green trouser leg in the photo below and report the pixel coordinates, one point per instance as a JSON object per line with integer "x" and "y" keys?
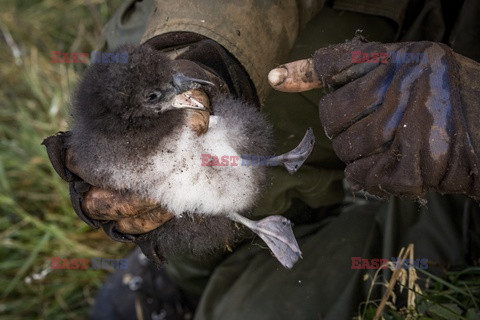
{"x": 251, "y": 285}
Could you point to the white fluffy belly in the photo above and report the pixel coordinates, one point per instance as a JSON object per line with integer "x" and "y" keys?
{"x": 175, "y": 176}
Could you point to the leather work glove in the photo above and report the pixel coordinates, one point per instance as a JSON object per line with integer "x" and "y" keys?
{"x": 120, "y": 214}
{"x": 403, "y": 116}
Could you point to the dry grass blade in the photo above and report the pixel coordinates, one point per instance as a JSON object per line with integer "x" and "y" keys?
{"x": 404, "y": 254}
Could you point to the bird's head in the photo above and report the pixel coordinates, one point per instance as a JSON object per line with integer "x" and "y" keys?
{"x": 138, "y": 93}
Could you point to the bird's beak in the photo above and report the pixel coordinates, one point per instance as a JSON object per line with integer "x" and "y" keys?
{"x": 192, "y": 99}
{"x": 183, "y": 83}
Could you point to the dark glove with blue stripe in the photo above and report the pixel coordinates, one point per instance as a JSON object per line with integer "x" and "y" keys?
{"x": 403, "y": 116}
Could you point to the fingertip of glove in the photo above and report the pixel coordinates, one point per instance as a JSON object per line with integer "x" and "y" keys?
{"x": 77, "y": 189}
{"x": 56, "y": 153}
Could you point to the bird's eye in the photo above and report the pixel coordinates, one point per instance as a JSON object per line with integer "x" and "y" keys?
{"x": 153, "y": 96}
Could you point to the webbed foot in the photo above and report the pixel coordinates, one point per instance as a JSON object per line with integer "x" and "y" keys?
{"x": 277, "y": 233}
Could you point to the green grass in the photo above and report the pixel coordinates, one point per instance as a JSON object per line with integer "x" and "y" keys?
{"x": 36, "y": 218}
{"x": 455, "y": 297}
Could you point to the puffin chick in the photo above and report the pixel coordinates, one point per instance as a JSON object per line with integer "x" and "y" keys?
{"x": 144, "y": 125}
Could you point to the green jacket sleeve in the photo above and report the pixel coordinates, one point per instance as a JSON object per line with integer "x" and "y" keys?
{"x": 259, "y": 34}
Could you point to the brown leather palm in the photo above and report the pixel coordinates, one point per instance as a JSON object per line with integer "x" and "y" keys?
{"x": 405, "y": 125}
{"x": 96, "y": 206}
{"x": 132, "y": 214}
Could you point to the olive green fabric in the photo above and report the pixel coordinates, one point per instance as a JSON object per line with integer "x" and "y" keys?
{"x": 127, "y": 25}
{"x": 249, "y": 283}
{"x": 318, "y": 182}
{"x": 272, "y": 26}
{"x": 392, "y": 9}
{"x": 467, "y": 29}
{"x": 428, "y": 24}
